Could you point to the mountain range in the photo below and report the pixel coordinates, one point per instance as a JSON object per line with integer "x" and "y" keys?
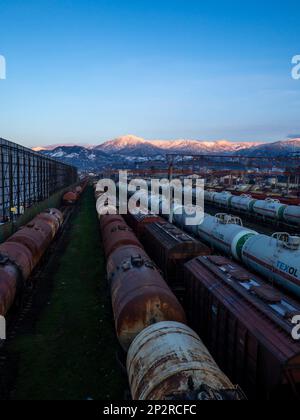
{"x": 135, "y": 149}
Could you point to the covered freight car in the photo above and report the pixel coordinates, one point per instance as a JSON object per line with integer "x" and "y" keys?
{"x": 171, "y": 248}
{"x": 139, "y": 221}
{"x": 247, "y": 326}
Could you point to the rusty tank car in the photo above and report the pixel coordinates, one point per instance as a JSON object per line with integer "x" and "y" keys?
{"x": 9, "y": 282}
{"x": 116, "y": 235}
{"x": 107, "y": 219}
{"x": 140, "y": 296}
{"x": 246, "y": 324}
{"x": 22, "y": 252}
{"x": 70, "y": 198}
{"x": 19, "y": 255}
{"x": 168, "y": 361}
{"x": 36, "y": 236}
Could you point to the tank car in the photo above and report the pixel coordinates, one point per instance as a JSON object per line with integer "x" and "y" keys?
{"x": 140, "y": 296}
{"x": 277, "y": 258}
{"x": 168, "y": 361}
{"x": 270, "y": 208}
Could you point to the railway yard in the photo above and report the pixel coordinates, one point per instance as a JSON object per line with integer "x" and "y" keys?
{"x": 111, "y": 307}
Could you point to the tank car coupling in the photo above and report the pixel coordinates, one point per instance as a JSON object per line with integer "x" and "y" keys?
{"x": 5, "y": 260}
{"x": 206, "y": 393}
{"x": 137, "y": 261}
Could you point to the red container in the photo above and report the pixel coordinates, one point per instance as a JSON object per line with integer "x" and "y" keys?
{"x": 20, "y": 255}
{"x": 117, "y": 235}
{"x": 170, "y": 248}
{"x": 107, "y": 219}
{"x": 9, "y": 278}
{"x": 140, "y": 296}
{"x": 70, "y": 198}
{"x": 246, "y": 325}
{"x": 138, "y": 222}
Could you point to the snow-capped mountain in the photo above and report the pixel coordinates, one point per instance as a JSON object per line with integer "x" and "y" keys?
{"x": 132, "y": 150}
{"x": 81, "y": 157}
{"x": 128, "y": 144}
{"x": 279, "y": 148}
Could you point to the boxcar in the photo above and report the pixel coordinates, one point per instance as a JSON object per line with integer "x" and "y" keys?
{"x": 247, "y": 326}
{"x": 171, "y": 248}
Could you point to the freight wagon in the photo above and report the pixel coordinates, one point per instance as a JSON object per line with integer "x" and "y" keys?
{"x": 170, "y": 248}
{"x": 21, "y": 254}
{"x": 269, "y": 209}
{"x": 168, "y": 361}
{"x": 247, "y": 326}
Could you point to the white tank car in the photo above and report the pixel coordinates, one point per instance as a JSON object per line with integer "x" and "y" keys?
{"x": 223, "y": 199}
{"x": 209, "y": 196}
{"x": 243, "y": 203}
{"x": 180, "y": 215}
{"x": 292, "y": 214}
{"x": 269, "y": 208}
{"x": 277, "y": 258}
{"x": 225, "y": 233}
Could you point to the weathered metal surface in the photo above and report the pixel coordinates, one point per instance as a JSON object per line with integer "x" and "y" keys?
{"x": 167, "y": 360}
{"x": 138, "y": 222}
{"x": 57, "y": 214}
{"x": 70, "y": 197}
{"x": 171, "y": 248}
{"x": 116, "y": 235}
{"x": 245, "y": 324}
{"x": 140, "y": 296}
{"x": 106, "y": 220}
{"x": 36, "y": 236}
{"x": 20, "y": 255}
{"x": 53, "y": 219}
{"x": 8, "y": 285}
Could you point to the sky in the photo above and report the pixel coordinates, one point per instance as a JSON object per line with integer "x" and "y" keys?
{"x": 90, "y": 70}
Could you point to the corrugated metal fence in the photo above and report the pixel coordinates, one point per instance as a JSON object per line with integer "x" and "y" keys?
{"x": 27, "y": 178}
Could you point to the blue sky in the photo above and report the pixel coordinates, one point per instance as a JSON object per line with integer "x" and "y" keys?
{"x": 88, "y": 71}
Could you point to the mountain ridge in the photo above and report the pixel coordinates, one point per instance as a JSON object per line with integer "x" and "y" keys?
{"x": 136, "y": 149}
